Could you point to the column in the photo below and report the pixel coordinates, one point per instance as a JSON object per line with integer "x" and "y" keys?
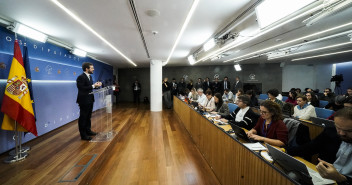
{"x": 156, "y": 96}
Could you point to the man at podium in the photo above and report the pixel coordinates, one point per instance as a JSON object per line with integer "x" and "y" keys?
{"x": 85, "y": 100}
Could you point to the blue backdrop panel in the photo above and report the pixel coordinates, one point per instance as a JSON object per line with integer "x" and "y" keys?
{"x": 54, "y": 72}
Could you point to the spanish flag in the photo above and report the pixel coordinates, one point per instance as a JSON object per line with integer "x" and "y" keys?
{"x": 17, "y": 103}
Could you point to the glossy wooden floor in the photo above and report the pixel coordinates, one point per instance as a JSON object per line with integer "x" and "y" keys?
{"x": 151, "y": 148}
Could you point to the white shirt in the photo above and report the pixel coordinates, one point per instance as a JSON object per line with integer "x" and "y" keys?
{"x": 240, "y": 114}
{"x": 202, "y": 99}
{"x": 88, "y": 75}
{"x": 228, "y": 96}
{"x": 279, "y": 97}
{"x": 209, "y": 104}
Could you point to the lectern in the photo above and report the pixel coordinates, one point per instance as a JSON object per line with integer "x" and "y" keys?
{"x": 102, "y": 116}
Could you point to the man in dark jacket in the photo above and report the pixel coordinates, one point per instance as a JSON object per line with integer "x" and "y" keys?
{"x": 137, "y": 89}
{"x": 85, "y": 100}
{"x": 243, "y": 116}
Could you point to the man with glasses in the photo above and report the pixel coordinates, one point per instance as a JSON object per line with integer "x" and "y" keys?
{"x": 243, "y": 116}
{"x": 341, "y": 169}
{"x": 328, "y": 95}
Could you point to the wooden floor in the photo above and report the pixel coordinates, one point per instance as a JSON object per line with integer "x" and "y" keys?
{"x": 150, "y": 148}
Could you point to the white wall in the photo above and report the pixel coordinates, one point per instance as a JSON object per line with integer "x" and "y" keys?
{"x": 303, "y": 76}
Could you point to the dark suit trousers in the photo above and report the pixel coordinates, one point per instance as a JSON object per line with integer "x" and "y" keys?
{"x": 84, "y": 123}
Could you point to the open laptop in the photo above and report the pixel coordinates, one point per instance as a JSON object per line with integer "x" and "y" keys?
{"x": 323, "y": 122}
{"x": 296, "y": 169}
{"x": 241, "y": 133}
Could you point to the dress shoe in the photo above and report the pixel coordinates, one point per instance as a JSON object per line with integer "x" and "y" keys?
{"x": 87, "y": 138}
{"x": 91, "y": 133}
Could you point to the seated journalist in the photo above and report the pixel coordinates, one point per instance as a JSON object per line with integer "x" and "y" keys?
{"x": 270, "y": 128}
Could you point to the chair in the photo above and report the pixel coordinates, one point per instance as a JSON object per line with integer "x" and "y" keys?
{"x": 298, "y": 134}
{"x": 232, "y": 107}
{"x": 284, "y": 98}
{"x": 323, "y": 103}
{"x": 323, "y": 113}
{"x": 263, "y": 96}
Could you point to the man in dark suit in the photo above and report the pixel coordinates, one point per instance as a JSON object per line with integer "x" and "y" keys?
{"x": 225, "y": 85}
{"x": 85, "y": 100}
{"x": 216, "y": 86}
{"x": 174, "y": 88}
{"x": 207, "y": 84}
{"x": 137, "y": 89}
{"x": 199, "y": 84}
{"x": 237, "y": 85}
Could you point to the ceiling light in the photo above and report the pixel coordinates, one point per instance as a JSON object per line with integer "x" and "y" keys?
{"x": 327, "y": 54}
{"x": 237, "y": 67}
{"x": 191, "y": 59}
{"x": 307, "y": 51}
{"x": 188, "y": 18}
{"x": 79, "y": 20}
{"x": 79, "y": 52}
{"x": 29, "y": 32}
{"x": 291, "y": 41}
{"x": 271, "y": 11}
{"x": 210, "y": 44}
{"x": 332, "y": 9}
{"x": 259, "y": 33}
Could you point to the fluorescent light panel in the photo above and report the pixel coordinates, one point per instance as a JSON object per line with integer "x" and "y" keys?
{"x": 323, "y": 55}
{"x": 184, "y": 26}
{"x": 258, "y": 34}
{"x": 237, "y": 67}
{"x": 191, "y": 59}
{"x": 271, "y": 11}
{"x": 291, "y": 41}
{"x": 316, "y": 49}
{"x": 79, "y": 52}
{"x": 29, "y": 32}
{"x": 210, "y": 44}
{"x": 79, "y": 20}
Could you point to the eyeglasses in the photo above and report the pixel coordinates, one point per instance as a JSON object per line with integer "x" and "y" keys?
{"x": 263, "y": 112}
{"x": 327, "y": 91}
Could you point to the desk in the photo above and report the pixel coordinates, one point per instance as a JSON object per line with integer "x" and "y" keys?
{"x": 314, "y": 129}
{"x": 229, "y": 159}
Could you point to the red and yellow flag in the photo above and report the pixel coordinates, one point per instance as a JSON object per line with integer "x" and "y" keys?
{"x": 17, "y": 104}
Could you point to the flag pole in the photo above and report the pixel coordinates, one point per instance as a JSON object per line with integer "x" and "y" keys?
{"x": 19, "y": 155}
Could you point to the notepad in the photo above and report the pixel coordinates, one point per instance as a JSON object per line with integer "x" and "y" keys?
{"x": 254, "y": 146}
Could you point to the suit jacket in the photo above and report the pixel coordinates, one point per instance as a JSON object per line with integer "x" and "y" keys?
{"x": 238, "y": 86}
{"x": 206, "y": 86}
{"x": 139, "y": 87}
{"x": 199, "y": 85}
{"x": 85, "y": 87}
{"x": 216, "y": 87}
{"x": 223, "y": 85}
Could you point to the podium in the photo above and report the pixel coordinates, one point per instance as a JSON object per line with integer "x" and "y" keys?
{"x": 102, "y": 116}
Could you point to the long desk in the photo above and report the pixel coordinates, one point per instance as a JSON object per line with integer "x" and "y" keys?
{"x": 229, "y": 159}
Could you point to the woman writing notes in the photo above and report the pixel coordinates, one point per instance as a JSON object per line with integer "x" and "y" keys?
{"x": 270, "y": 128}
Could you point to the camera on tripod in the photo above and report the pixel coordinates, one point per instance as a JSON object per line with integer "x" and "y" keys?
{"x": 337, "y": 79}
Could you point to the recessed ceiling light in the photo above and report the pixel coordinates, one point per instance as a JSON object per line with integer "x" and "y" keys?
{"x": 152, "y": 13}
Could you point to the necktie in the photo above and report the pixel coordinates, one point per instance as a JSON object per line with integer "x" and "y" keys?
{"x": 90, "y": 79}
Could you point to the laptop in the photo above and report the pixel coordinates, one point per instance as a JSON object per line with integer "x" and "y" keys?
{"x": 296, "y": 169}
{"x": 323, "y": 122}
{"x": 241, "y": 133}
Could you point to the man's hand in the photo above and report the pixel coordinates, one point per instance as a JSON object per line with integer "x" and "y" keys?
{"x": 97, "y": 84}
{"x": 328, "y": 171}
